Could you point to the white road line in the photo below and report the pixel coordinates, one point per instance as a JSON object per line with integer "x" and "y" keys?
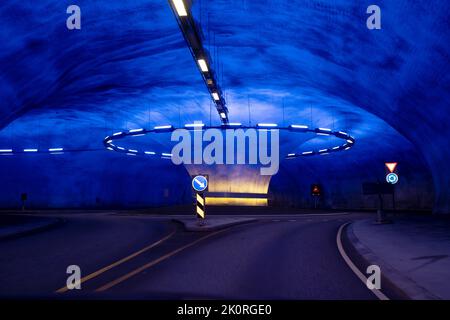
{"x": 380, "y": 295}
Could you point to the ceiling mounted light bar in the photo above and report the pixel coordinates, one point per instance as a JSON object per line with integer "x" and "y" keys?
{"x": 193, "y": 36}
{"x": 166, "y": 128}
{"x": 180, "y": 8}
{"x": 294, "y": 127}
{"x": 323, "y": 131}
{"x": 231, "y": 125}
{"x": 136, "y": 130}
{"x": 194, "y": 125}
{"x": 203, "y": 65}
{"x": 267, "y": 125}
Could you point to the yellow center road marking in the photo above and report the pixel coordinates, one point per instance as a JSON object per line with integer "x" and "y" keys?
{"x": 154, "y": 262}
{"x": 115, "y": 264}
{"x": 380, "y": 295}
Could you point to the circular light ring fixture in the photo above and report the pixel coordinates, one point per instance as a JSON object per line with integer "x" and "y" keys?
{"x": 110, "y": 141}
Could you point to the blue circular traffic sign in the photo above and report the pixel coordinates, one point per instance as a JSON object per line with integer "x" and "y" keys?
{"x": 392, "y": 178}
{"x": 200, "y": 183}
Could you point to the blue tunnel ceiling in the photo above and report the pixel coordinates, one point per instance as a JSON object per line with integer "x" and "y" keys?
{"x": 309, "y": 62}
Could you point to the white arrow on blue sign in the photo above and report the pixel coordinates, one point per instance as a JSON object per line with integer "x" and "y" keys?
{"x": 199, "y": 183}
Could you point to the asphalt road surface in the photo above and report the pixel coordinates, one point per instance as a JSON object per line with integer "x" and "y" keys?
{"x": 152, "y": 257}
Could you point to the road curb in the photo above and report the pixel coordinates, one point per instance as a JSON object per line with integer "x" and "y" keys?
{"x": 33, "y": 230}
{"x": 192, "y": 226}
{"x": 400, "y": 286}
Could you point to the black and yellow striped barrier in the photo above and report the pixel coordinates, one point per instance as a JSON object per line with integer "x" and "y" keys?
{"x": 200, "y": 206}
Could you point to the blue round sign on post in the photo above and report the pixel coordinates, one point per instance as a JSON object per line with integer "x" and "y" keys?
{"x": 392, "y": 178}
{"x": 200, "y": 183}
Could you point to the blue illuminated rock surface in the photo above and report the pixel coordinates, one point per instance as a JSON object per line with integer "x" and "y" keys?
{"x": 128, "y": 67}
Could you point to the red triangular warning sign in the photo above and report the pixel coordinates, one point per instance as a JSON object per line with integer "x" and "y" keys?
{"x": 391, "y": 166}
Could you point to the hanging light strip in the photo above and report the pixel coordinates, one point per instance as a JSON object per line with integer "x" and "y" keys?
{"x": 193, "y": 36}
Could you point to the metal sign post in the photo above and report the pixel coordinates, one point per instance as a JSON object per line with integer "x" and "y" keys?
{"x": 392, "y": 178}
{"x": 381, "y": 215}
{"x": 379, "y": 189}
{"x": 316, "y": 191}
{"x": 200, "y": 185}
{"x": 23, "y": 197}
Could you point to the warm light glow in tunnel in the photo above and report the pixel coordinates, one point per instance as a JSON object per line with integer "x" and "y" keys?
{"x": 229, "y": 201}
{"x": 237, "y": 179}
